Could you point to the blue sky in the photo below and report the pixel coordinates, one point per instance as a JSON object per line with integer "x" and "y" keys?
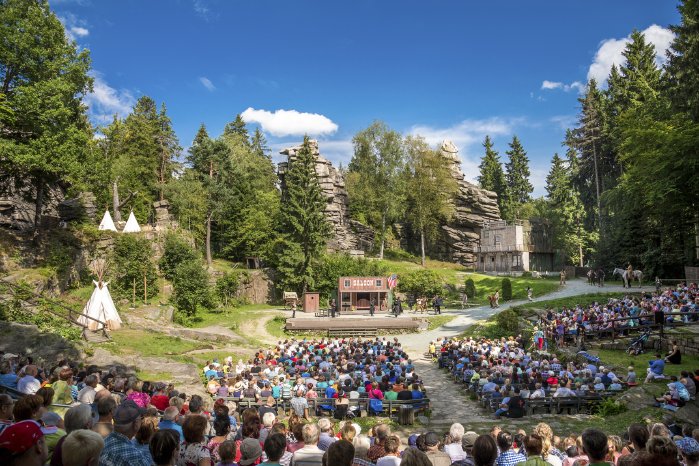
{"x": 444, "y": 69}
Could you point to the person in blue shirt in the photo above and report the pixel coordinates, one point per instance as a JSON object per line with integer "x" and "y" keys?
{"x": 169, "y": 421}
{"x": 657, "y": 366}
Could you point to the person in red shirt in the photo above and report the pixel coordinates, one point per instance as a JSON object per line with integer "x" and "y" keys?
{"x": 160, "y": 399}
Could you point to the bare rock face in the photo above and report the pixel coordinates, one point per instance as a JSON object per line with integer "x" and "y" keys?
{"x": 348, "y": 235}
{"x": 18, "y": 204}
{"x": 163, "y": 219}
{"x": 458, "y": 239}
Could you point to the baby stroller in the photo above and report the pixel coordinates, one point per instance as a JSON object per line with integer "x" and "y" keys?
{"x": 637, "y": 346}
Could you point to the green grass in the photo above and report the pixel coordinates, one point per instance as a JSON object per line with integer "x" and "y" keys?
{"x": 622, "y": 360}
{"x": 225, "y": 266}
{"x": 231, "y": 318}
{"x": 438, "y": 321}
{"x": 201, "y": 358}
{"x": 128, "y": 341}
{"x": 153, "y": 376}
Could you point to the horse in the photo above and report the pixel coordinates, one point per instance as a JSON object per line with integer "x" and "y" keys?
{"x": 624, "y": 274}
{"x": 591, "y": 277}
{"x": 600, "y": 277}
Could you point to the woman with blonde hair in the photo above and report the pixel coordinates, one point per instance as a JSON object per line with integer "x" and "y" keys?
{"x": 544, "y": 431}
{"x": 137, "y": 395}
{"x": 615, "y": 444}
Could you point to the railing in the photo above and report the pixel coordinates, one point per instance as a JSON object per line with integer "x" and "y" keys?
{"x": 499, "y": 248}
{"x": 26, "y": 295}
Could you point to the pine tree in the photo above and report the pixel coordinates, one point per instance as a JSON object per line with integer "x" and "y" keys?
{"x": 683, "y": 67}
{"x": 304, "y": 228}
{"x": 258, "y": 143}
{"x": 492, "y": 177}
{"x": 639, "y": 77}
{"x": 519, "y": 188}
{"x": 236, "y": 126}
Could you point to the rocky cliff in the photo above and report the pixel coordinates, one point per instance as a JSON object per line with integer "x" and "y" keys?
{"x": 348, "y": 235}
{"x": 458, "y": 239}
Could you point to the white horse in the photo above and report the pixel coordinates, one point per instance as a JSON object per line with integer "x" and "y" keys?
{"x": 624, "y": 274}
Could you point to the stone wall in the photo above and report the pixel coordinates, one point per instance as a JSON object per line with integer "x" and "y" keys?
{"x": 458, "y": 239}
{"x": 348, "y": 234}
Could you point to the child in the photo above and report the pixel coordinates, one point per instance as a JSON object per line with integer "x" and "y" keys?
{"x": 227, "y": 451}
{"x": 631, "y": 376}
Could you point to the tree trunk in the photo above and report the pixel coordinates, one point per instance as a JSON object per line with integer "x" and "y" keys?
{"x": 208, "y": 240}
{"x": 39, "y": 205}
{"x": 696, "y": 237}
{"x": 115, "y": 200}
{"x": 422, "y": 245}
{"x": 383, "y": 234}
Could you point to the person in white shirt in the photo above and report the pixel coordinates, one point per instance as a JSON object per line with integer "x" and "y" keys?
{"x": 29, "y": 384}
{"x": 87, "y": 394}
{"x": 538, "y": 392}
{"x": 309, "y": 454}
{"x": 563, "y": 392}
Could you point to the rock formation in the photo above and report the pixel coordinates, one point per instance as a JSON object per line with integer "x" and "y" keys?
{"x": 458, "y": 239}
{"x": 18, "y": 204}
{"x": 348, "y": 235}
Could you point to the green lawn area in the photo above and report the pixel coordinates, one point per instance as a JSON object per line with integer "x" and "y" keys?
{"x": 128, "y": 341}
{"x": 231, "y": 318}
{"x": 438, "y": 321}
{"x": 622, "y": 360}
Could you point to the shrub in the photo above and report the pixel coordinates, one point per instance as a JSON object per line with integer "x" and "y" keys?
{"x": 191, "y": 288}
{"x": 227, "y": 286}
{"x": 506, "y": 289}
{"x": 609, "y": 407}
{"x": 132, "y": 258}
{"x": 508, "y": 320}
{"x": 420, "y": 283}
{"x": 175, "y": 251}
{"x": 470, "y": 288}
{"x": 331, "y": 267}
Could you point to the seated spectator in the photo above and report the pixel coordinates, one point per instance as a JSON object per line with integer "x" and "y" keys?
{"x": 169, "y": 421}
{"x": 160, "y": 398}
{"x": 326, "y": 434}
{"x": 595, "y": 445}
{"x": 105, "y": 410}
{"x": 615, "y": 386}
{"x": 7, "y": 377}
{"x": 508, "y": 455}
{"x": 340, "y": 453}
{"x": 22, "y": 444}
{"x": 361, "y": 445}
{"x": 53, "y": 429}
{"x": 7, "y": 404}
{"x": 392, "y": 456}
{"x": 299, "y": 405}
{"x": 30, "y": 407}
{"x": 689, "y": 449}
{"x": 87, "y": 394}
{"x": 29, "y": 384}
{"x": 82, "y": 447}
{"x": 136, "y": 395}
{"x": 485, "y": 451}
{"x": 377, "y": 450}
{"x": 268, "y": 420}
{"x": 453, "y": 445}
{"x": 118, "y": 449}
{"x": 675, "y": 355}
{"x": 564, "y": 391}
{"x": 533, "y": 444}
{"x": 193, "y": 450}
{"x": 309, "y": 454}
{"x": 149, "y": 425}
{"x": 250, "y": 452}
{"x": 165, "y": 447}
{"x": 538, "y": 392}
{"x": 431, "y": 448}
{"x": 274, "y": 449}
{"x": 655, "y": 371}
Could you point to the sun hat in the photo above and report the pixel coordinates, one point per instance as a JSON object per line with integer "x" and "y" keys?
{"x": 250, "y": 451}
{"x": 468, "y": 439}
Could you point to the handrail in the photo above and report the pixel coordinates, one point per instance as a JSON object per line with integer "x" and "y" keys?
{"x": 15, "y": 287}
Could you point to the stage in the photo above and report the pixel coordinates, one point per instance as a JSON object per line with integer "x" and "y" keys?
{"x": 354, "y": 321}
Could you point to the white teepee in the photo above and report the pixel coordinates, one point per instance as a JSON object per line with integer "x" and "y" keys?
{"x": 107, "y": 223}
{"x": 131, "y": 225}
{"x": 100, "y": 306}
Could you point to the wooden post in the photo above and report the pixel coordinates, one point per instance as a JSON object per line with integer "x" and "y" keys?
{"x": 145, "y": 289}
{"x": 133, "y": 300}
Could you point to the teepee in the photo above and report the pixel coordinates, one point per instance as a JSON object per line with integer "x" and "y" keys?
{"x": 131, "y": 225}
{"x": 100, "y": 306}
{"x": 107, "y": 223}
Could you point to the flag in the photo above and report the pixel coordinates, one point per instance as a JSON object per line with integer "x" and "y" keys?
{"x": 392, "y": 281}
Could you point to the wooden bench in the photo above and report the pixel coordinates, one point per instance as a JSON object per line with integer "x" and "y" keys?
{"x": 532, "y": 404}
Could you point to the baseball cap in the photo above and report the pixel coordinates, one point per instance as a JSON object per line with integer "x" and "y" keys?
{"x": 688, "y": 446}
{"x": 431, "y": 439}
{"x": 20, "y": 437}
{"x": 468, "y": 439}
{"x": 127, "y": 412}
{"x": 250, "y": 451}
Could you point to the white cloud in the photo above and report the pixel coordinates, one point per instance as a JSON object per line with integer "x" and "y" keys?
{"x": 551, "y": 85}
{"x": 201, "y": 8}
{"x": 610, "y": 51}
{"x": 564, "y": 121}
{"x": 105, "y": 101}
{"x": 74, "y": 26}
{"x": 206, "y": 82}
{"x": 282, "y": 123}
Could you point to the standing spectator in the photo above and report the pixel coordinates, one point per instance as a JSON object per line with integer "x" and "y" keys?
{"x": 310, "y": 454}
{"x": 193, "y": 451}
{"x": 118, "y": 449}
{"x": 165, "y": 447}
{"x": 82, "y": 447}
{"x": 22, "y": 444}
{"x": 530, "y": 292}
{"x": 29, "y": 384}
{"x": 299, "y": 405}
{"x": 508, "y": 457}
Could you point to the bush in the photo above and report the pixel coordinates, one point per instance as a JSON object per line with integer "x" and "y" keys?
{"x": 506, "y": 289}
{"x": 228, "y": 284}
{"x": 331, "y": 267}
{"x": 508, "y": 321}
{"x": 132, "y": 258}
{"x": 420, "y": 283}
{"x": 191, "y": 288}
{"x": 175, "y": 251}
{"x": 610, "y": 407}
{"x": 470, "y": 288}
